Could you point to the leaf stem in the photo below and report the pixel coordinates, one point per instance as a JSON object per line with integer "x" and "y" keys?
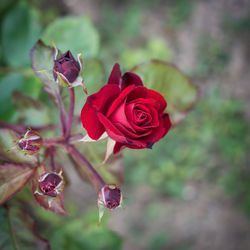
{"x": 51, "y": 142}
{"x": 71, "y": 111}
{"x": 77, "y": 154}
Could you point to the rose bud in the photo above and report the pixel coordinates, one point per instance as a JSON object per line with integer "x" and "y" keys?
{"x": 51, "y": 184}
{"x": 109, "y": 196}
{"x": 66, "y": 70}
{"x": 132, "y": 115}
{"x": 31, "y": 142}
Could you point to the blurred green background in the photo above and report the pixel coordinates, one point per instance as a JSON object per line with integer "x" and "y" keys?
{"x": 192, "y": 191}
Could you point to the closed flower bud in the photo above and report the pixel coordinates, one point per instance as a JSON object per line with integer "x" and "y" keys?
{"x": 110, "y": 197}
{"x": 67, "y": 66}
{"x": 51, "y": 184}
{"x": 31, "y": 142}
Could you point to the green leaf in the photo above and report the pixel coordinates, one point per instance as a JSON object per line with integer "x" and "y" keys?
{"x": 9, "y": 149}
{"x": 12, "y": 179}
{"x": 42, "y": 61}
{"x": 12, "y": 82}
{"x": 76, "y": 34}
{"x": 53, "y": 204}
{"x": 176, "y": 88}
{"x": 18, "y": 231}
{"x": 20, "y": 29}
{"x": 31, "y": 111}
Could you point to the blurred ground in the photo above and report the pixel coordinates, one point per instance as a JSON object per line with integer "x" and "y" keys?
{"x": 213, "y": 48}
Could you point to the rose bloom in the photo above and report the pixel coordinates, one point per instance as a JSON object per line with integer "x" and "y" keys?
{"x": 131, "y": 114}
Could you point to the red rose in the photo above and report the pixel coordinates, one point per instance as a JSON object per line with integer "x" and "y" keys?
{"x": 131, "y": 114}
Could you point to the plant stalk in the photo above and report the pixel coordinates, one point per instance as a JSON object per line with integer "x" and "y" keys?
{"x": 77, "y": 154}
{"x": 71, "y": 111}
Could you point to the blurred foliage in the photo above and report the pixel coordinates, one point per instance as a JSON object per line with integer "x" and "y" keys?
{"x": 155, "y": 49}
{"x": 212, "y": 57}
{"x": 214, "y": 134}
{"x": 179, "y": 13}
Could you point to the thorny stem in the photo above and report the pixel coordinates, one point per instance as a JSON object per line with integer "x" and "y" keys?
{"x": 77, "y": 154}
{"x": 71, "y": 111}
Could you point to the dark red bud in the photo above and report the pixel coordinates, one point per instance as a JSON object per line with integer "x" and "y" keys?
{"x": 31, "y": 142}
{"x": 51, "y": 184}
{"x": 68, "y": 66}
{"x": 110, "y": 196}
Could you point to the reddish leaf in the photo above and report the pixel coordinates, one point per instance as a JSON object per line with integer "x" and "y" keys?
{"x": 10, "y": 151}
{"x": 85, "y": 174}
{"x": 12, "y": 179}
{"x": 53, "y": 204}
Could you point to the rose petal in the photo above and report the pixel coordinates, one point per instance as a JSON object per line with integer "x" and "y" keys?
{"x": 139, "y": 92}
{"x": 119, "y": 116}
{"x": 119, "y": 99}
{"x": 159, "y": 132}
{"x": 111, "y": 129}
{"x": 130, "y": 79}
{"x": 131, "y": 135}
{"x": 91, "y": 122}
{"x": 115, "y": 76}
{"x": 157, "y": 96}
{"x": 98, "y": 102}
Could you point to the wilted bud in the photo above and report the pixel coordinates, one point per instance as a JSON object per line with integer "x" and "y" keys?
{"x": 31, "y": 142}
{"x": 109, "y": 196}
{"x": 51, "y": 184}
{"x": 67, "y": 66}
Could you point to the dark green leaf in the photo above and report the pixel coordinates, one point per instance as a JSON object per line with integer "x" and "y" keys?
{"x": 76, "y": 34}
{"x": 166, "y": 79}
{"x": 11, "y": 82}
{"x": 18, "y": 231}
{"x": 20, "y": 30}
{"x": 12, "y": 179}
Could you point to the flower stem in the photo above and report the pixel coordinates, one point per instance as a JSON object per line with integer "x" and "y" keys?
{"x": 51, "y": 155}
{"x": 71, "y": 111}
{"x": 51, "y": 142}
{"x": 77, "y": 154}
{"x": 62, "y": 113}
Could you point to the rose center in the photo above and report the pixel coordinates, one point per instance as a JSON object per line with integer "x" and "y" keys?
{"x": 48, "y": 187}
